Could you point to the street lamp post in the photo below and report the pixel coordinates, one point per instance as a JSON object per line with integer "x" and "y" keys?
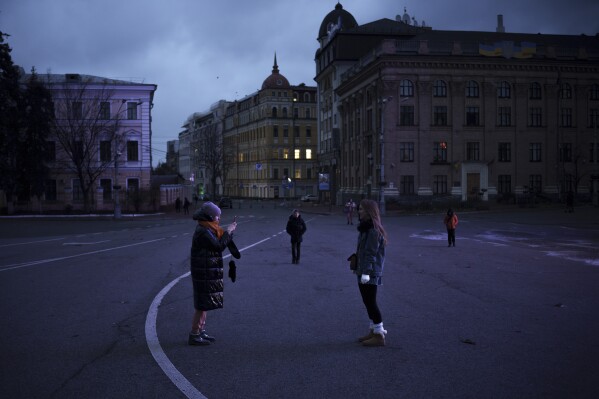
{"x": 382, "y": 183}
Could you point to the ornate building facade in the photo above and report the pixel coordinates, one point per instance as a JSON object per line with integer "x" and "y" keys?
{"x": 412, "y": 113}
{"x": 270, "y": 141}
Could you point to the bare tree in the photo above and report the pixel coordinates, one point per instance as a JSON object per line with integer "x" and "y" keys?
{"x": 229, "y": 162}
{"x": 86, "y": 127}
{"x": 211, "y": 154}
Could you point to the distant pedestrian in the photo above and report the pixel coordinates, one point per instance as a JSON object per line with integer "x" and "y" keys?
{"x": 570, "y": 202}
{"x": 178, "y": 205}
{"x": 372, "y": 241}
{"x": 350, "y": 208}
{"x": 186, "y": 204}
{"x": 296, "y": 227}
{"x": 451, "y": 222}
{"x": 195, "y": 200}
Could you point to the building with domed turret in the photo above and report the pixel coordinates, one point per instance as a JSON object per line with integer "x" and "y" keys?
{"x": 412, "y": 114}
{"x": 270, "y": 137}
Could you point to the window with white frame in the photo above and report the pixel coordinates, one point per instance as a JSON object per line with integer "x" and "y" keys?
{"x": 132, "y": 110}
{"x": 132, "y": 150}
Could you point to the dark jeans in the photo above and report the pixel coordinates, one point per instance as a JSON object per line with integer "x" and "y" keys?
{"x": 451, "y": 236}
{"x": 295, "y": 250}
{"x": 368, "y": 292}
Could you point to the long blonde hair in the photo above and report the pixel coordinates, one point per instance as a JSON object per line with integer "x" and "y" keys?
{"x": 372, "y": 210}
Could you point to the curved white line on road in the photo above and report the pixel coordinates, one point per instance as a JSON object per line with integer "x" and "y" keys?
{"x": 42, "y": 261}
{"x": 154, "y": 344}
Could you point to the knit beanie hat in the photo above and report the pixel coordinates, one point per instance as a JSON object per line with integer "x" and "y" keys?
{"x": 209, "y": 209}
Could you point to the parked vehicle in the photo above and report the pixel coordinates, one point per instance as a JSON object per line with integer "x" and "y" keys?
{"x": 225, "y": 202}
{"x": 309, "y": 197}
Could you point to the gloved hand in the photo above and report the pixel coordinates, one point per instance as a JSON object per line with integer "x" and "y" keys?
{"x": 365, "y": 278}
{"x": 232, "y": 271}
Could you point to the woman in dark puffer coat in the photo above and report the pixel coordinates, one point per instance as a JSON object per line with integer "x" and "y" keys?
{"x": 209, "y": 242}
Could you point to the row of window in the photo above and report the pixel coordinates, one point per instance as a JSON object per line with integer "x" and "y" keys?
{"x": 77, "y": 193}
{"x": 106, "y": 150}
{"x": 504, "y": 184}
{"x": 278, "y": 153}
{"x": 277, "y": 173}
{"x": 296, "y": 131}
{"x": 76, "y": 111}
{"x": 504, "y": 116}
{"x": 535, "y": 150}
{"x": 504, "y": 90}
{"x": 296, "y": 114}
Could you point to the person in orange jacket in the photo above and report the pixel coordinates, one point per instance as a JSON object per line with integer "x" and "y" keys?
{"x": 451, "y": 222}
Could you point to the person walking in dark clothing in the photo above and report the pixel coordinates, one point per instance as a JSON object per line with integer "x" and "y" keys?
{"x": 186, "y": 204}
{"x": 451, "y": 222}
{"x": 570, "y": 202}
{"x": 178, "y": 205}
{"x": 296, "y": 227}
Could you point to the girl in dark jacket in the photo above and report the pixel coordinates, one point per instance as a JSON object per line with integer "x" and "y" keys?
{"x": 296, "y": 229}
{"x": 209, "y": 242}
{"x": 371, "y": 260}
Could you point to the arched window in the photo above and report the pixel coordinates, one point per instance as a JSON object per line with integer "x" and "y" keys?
{"x": 439, "y": 89}
{"x": 406, "y": 88}
{"x": 565, "y": 91}
{"x": 284, "y": 112}
{"x": 306, "y": 97}
{"x": 274, "y": 112}
{"x": 504, "y": 90}
{"x": 472, "y": 89}
{"x": 535, "y": 91}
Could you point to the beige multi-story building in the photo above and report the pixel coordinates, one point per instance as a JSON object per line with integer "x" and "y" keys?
{"x": 270, "y": 141}
{"x": 425, "y": 113}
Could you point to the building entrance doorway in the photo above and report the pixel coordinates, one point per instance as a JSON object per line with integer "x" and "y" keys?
{"x": 473, "y": 185}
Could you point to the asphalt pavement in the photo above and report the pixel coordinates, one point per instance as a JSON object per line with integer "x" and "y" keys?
{"x": 510, "y": 312}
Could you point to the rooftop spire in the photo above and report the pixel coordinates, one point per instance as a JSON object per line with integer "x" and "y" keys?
{"x": 275, "y": 67}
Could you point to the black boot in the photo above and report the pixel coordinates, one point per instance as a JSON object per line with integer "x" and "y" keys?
{"x": 196, "y": 339}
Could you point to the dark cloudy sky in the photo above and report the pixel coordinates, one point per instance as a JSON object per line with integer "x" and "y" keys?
{"x": 200, "y": 51}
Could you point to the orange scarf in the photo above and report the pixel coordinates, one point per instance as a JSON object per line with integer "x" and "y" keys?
{"x": 214, "y": 227}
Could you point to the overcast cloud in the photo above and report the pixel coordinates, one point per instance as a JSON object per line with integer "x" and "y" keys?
{"x": 200, "y": 51}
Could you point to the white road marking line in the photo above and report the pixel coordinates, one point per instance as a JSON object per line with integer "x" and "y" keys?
{"x": 163, "y": 361}
{"x": 31, "y": 242}
{"x": 84, "y": 243}
{"x": 42, "y": 261}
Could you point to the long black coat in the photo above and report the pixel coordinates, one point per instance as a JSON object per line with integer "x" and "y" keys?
{"x": 207, "y": 268}
{"x": 296, "y": 228}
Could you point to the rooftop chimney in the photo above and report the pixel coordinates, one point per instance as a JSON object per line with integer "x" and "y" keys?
{"x": 500, "y": 27}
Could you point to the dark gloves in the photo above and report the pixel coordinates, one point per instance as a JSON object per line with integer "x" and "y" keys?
{"x": 232, "y": 270}
{"x": 233, "y": 249}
